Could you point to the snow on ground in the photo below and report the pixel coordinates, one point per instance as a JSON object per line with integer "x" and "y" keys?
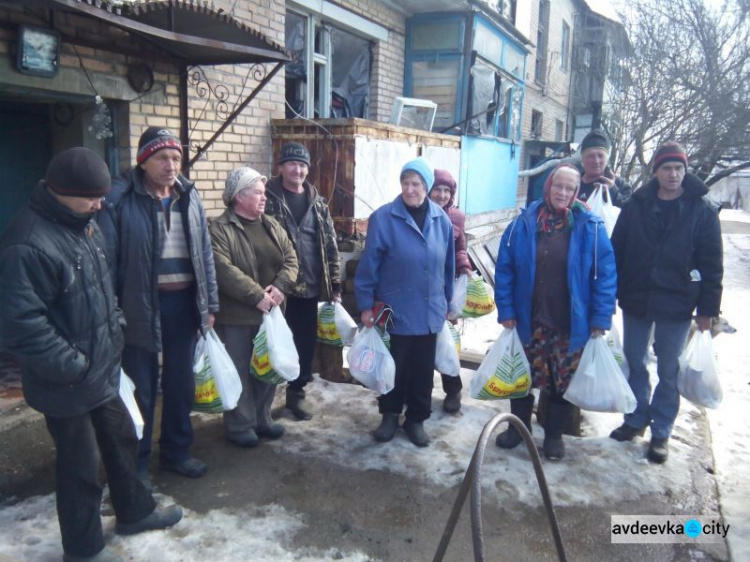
{"x": 730, "y": 423}
{"x": 592, "y": 473}
{"x": 29, "y": 531}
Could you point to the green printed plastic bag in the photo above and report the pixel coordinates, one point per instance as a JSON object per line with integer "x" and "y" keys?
{"x": 504, "y": 372}
{"x": 479, "y": 300}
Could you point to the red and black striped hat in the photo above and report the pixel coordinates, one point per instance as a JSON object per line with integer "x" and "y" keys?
{"x": 670, "y": 151}
{"x": 154, "y": 139}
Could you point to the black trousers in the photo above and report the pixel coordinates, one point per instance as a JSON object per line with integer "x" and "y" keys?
{"x": 302, "y": 317}
{"x": 107, "y": 430}
{"x": 415, "y": 368}
{"x": 451, "y": 385}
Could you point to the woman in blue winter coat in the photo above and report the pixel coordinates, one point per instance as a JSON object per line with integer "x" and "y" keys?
{"x": 408, "y": 264}
{"x": 555, "y": 282}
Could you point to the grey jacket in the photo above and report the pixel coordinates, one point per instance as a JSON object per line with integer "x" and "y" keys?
{"x": 59, "y": 317}
{"x": 134, "y": 246}
{"x": 314, "y": 241}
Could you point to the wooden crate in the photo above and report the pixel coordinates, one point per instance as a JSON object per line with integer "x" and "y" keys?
{"x": 331, "y": 143}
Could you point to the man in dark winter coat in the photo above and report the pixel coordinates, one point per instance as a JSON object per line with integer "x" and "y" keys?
{"x": 668, "y": 248}
{"x": 163, "y": 268}
{"x": 60, "y": 319}
{"x": 295, "y": 203}
{"x": 595, "y": 150}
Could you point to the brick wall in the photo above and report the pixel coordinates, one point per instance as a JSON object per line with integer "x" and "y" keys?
{"x": 247, "y": 141}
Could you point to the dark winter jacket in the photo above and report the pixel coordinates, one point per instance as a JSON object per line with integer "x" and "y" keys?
{"x": 237, "y": 268}
{"x": 130, "y": 225}
{"x": 314, "y": 239}
{"x": 59, "y": 314}
{"x": 592, "y": 279}
{"x": 667, "y": 277}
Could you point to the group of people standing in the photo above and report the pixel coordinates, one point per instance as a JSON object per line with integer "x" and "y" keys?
{"x": 86, "y": 282}
{"x": 558, "y": 277}
{"x": 92, "y": 284}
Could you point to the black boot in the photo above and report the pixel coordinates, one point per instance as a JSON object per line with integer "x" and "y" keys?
{"x": 293, "y": 399}
{"x": 658, "y": 450}
{"x": 557, "y": 419}
{"x": 387, "y": 428}
{"x": 452, "y": 387}
{"x": 521, "y": 408}
{"x": 416, "y": 433}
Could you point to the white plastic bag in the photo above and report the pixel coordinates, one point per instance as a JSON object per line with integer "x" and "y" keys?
{"x": 504, "y": 372}
{"x": 698, "y": 379}
{"x": 447, "y": 361}
{"x": 456, "y": 306}
{"x": 604, "y": 208}
{"x": 614, "y": 342}
{"x": 275, "y": 359}
{"x": 127, "y": 387}
{"x": 222, "y": 369}
{"x": 335, "y": 326}
{"x": 599, "y": 384}
{"x": 371, "y": 363}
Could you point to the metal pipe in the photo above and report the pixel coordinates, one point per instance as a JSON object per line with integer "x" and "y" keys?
{"x": 472, "y": 481}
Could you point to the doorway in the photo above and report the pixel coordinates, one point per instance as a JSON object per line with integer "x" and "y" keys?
{"x": 31, "y": 133}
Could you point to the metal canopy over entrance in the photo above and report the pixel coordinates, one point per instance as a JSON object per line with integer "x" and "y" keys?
{"x": 186, "y": 33}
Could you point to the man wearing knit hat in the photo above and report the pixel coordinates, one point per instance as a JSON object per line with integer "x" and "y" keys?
{"x": 60, "y": 319}
{"x": 595, "y": 173}
{"x": 668, "y": 248}
{"x": 160, "y": 256}
{"x": 296, "y": 204}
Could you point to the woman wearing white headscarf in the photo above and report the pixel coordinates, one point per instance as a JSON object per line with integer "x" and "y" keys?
{"x": 255, "y": 266}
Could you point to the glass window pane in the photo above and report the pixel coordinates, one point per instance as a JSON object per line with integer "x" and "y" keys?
{"x": 437, "y": 81}
{"x": 436, "y": 36}
{"x": 489, "y": 45}
{"x": 295, "y": 70}
{"x": 350, "y": 74}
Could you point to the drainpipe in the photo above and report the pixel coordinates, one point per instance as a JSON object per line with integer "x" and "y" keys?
{"x": 184, "y": 130}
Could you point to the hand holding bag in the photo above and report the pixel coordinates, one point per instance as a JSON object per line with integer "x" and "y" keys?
{"x": 504, "y": 372}
{"x": 599, "y": 384}
{"x": 371, "y": 363}
{"x": 127, "y": 387}
{"x": 698, "y": 379}
{"x": 602, "y": 207}
{"x": 217, "y": 370}
{"x": 447, "y": 361}
{"x": 275, "y": 359}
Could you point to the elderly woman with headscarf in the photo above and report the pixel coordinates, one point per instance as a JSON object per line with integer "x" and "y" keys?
{"x": 443, "y": 193}
{"x": 555, "y": 282}
{"x": 255, "y": 266}
{"x": 408, "y": 264}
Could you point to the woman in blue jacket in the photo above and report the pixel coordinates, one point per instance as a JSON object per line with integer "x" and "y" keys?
{"x": 555, "y": 282}
{"x": 408, "y": 264}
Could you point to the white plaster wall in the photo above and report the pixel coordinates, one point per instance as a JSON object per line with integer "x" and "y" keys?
{"x": 376, "y": 172}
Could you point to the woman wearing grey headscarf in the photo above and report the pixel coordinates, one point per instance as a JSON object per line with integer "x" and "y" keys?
{"x": 255, "y": 266}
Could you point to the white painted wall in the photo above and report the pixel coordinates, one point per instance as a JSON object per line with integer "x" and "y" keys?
{"x": 376, "y": 172}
